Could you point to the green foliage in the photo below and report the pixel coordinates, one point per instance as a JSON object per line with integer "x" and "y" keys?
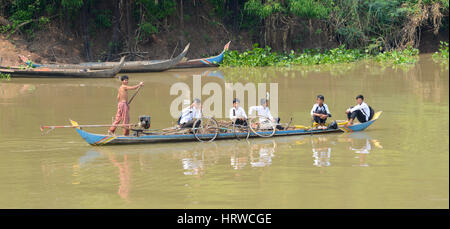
{"x": 310, "y": 8}
{"x": 104, "y": 19}
{"x": 374, "y": 26}
{"x": 219, "y": 8}
{"x": 256, "y": 57}
{"x": 332, "y": 56}
{"x": 72, "y": 4}
{"x": 72, "y": 7}
{"x": 443, "y": 51}
{"x": 405, "y": 56}
{"x": 264, "y": 57}
{"x": 24, "y": 10}
{"x": 302, "y": 8}
{"x": 358, "y": 22}
{"x": 5, "y": 76}
{"x": 148, "y": 28}
{"x": 260, "y": 57}
{"x": 263, "y": 10}
{"x": 156, "y": 11}
{"x": 36, "y": 13}
{"x": 149, "y": 14}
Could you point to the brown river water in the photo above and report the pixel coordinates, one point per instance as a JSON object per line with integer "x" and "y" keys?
{"x": 401, "y": 161}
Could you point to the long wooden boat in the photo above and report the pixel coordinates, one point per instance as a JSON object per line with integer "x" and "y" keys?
{"x": 129, "y": 66}
{"x": 100, "y": 139}
{"x": 45, "y": 72}
{"x": 213, "y": 61}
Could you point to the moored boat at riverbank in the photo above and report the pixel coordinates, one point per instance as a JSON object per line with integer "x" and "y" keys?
{"x": 128, "y": 67}
{"x": 213, "y": 61}
{"x": 46, "y": 72}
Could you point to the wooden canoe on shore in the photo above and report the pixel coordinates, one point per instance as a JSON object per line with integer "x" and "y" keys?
{"x": 46, "y": 72}
{"x": 100, "y": 139}
{"x": 213, "y": 61}
{"x": 129, "y": 66}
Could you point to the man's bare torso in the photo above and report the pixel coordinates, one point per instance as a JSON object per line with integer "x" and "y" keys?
{"x": 122, "y": 96}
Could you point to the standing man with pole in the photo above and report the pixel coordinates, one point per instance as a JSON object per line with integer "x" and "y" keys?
{"x": 123, "y": 109}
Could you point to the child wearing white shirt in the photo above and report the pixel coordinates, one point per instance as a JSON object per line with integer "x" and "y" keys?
{"x": 237, "y": 113}
{"x": 263, "y": 110}
{"x": 190, "y": 113}
{"x": 361, "y": 111}
{"x": 320, "y": 112}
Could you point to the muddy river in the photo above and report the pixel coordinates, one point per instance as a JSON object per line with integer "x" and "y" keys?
{"x": 401, "y": 161}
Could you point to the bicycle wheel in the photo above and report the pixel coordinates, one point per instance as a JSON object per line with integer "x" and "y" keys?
{"x": 262, "y": 126}
{"x": 206, "y": 129}
{"x": 240, "y": 131}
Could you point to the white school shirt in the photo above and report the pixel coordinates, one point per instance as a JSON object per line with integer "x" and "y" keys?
{"x": 323, "y": 107}
{"x": 364, "y": 108}
{"x": 188, "y": 114}
{"x": 238, "y": 113}
{"x": 260, "y": 110}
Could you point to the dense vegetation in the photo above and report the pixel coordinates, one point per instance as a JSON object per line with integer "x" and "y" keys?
{"x": 4, "y": 76}
{"x": 371, "y": 25}
{"x": 443, "y": 51}
{"x": 265, "y": 57}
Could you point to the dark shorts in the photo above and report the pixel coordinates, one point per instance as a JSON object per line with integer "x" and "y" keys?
{"x": 318, "y": 119}
{"x": 357, "y": 114}
{"x": 240, "y": 122}
{"x": 279, "y": 127}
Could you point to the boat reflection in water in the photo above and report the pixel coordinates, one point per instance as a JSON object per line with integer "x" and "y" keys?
{"x": 321, "y": 149}
{"x": 244, "y": 153}
{"x": 196, "y": 159}
{"x": 255, "y": 154}
{"x": 264, "y": 154}
{"x": 361, "y": 144}
{"x": 194, "y": 165}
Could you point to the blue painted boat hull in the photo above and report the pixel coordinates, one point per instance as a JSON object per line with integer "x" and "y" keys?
{"x": 204, "y": 62}
{"x": 99, "y": 139}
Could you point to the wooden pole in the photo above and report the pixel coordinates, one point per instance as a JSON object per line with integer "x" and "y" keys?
{"x": 132, "y": 97}
{"x": 107, "y": 125}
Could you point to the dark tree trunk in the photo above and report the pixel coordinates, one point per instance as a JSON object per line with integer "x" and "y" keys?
{"x": 181, "y": 15}
{"x": 182, "y": 38}
{"x": 130, "y": 37}
{"x": 115, "y": 39}
{"x": 85, "y": 28}
{"x": 235, "y": 12}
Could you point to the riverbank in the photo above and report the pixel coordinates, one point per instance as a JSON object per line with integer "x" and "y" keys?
{"x": 104, "y": 30}
{"x": 260, "y": 57}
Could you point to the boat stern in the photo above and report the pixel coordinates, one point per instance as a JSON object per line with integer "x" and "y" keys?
{"x": 361, "y": 126}
{"x": 216, "y": 60}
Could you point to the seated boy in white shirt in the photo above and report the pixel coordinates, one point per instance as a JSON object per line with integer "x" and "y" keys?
{"x": 263, "y": 110}
{"x": 320, "y": 112}
{"x": 361, "y": 111}
{"x": 237, "y": 113}
{"x": 190, "y": 113}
